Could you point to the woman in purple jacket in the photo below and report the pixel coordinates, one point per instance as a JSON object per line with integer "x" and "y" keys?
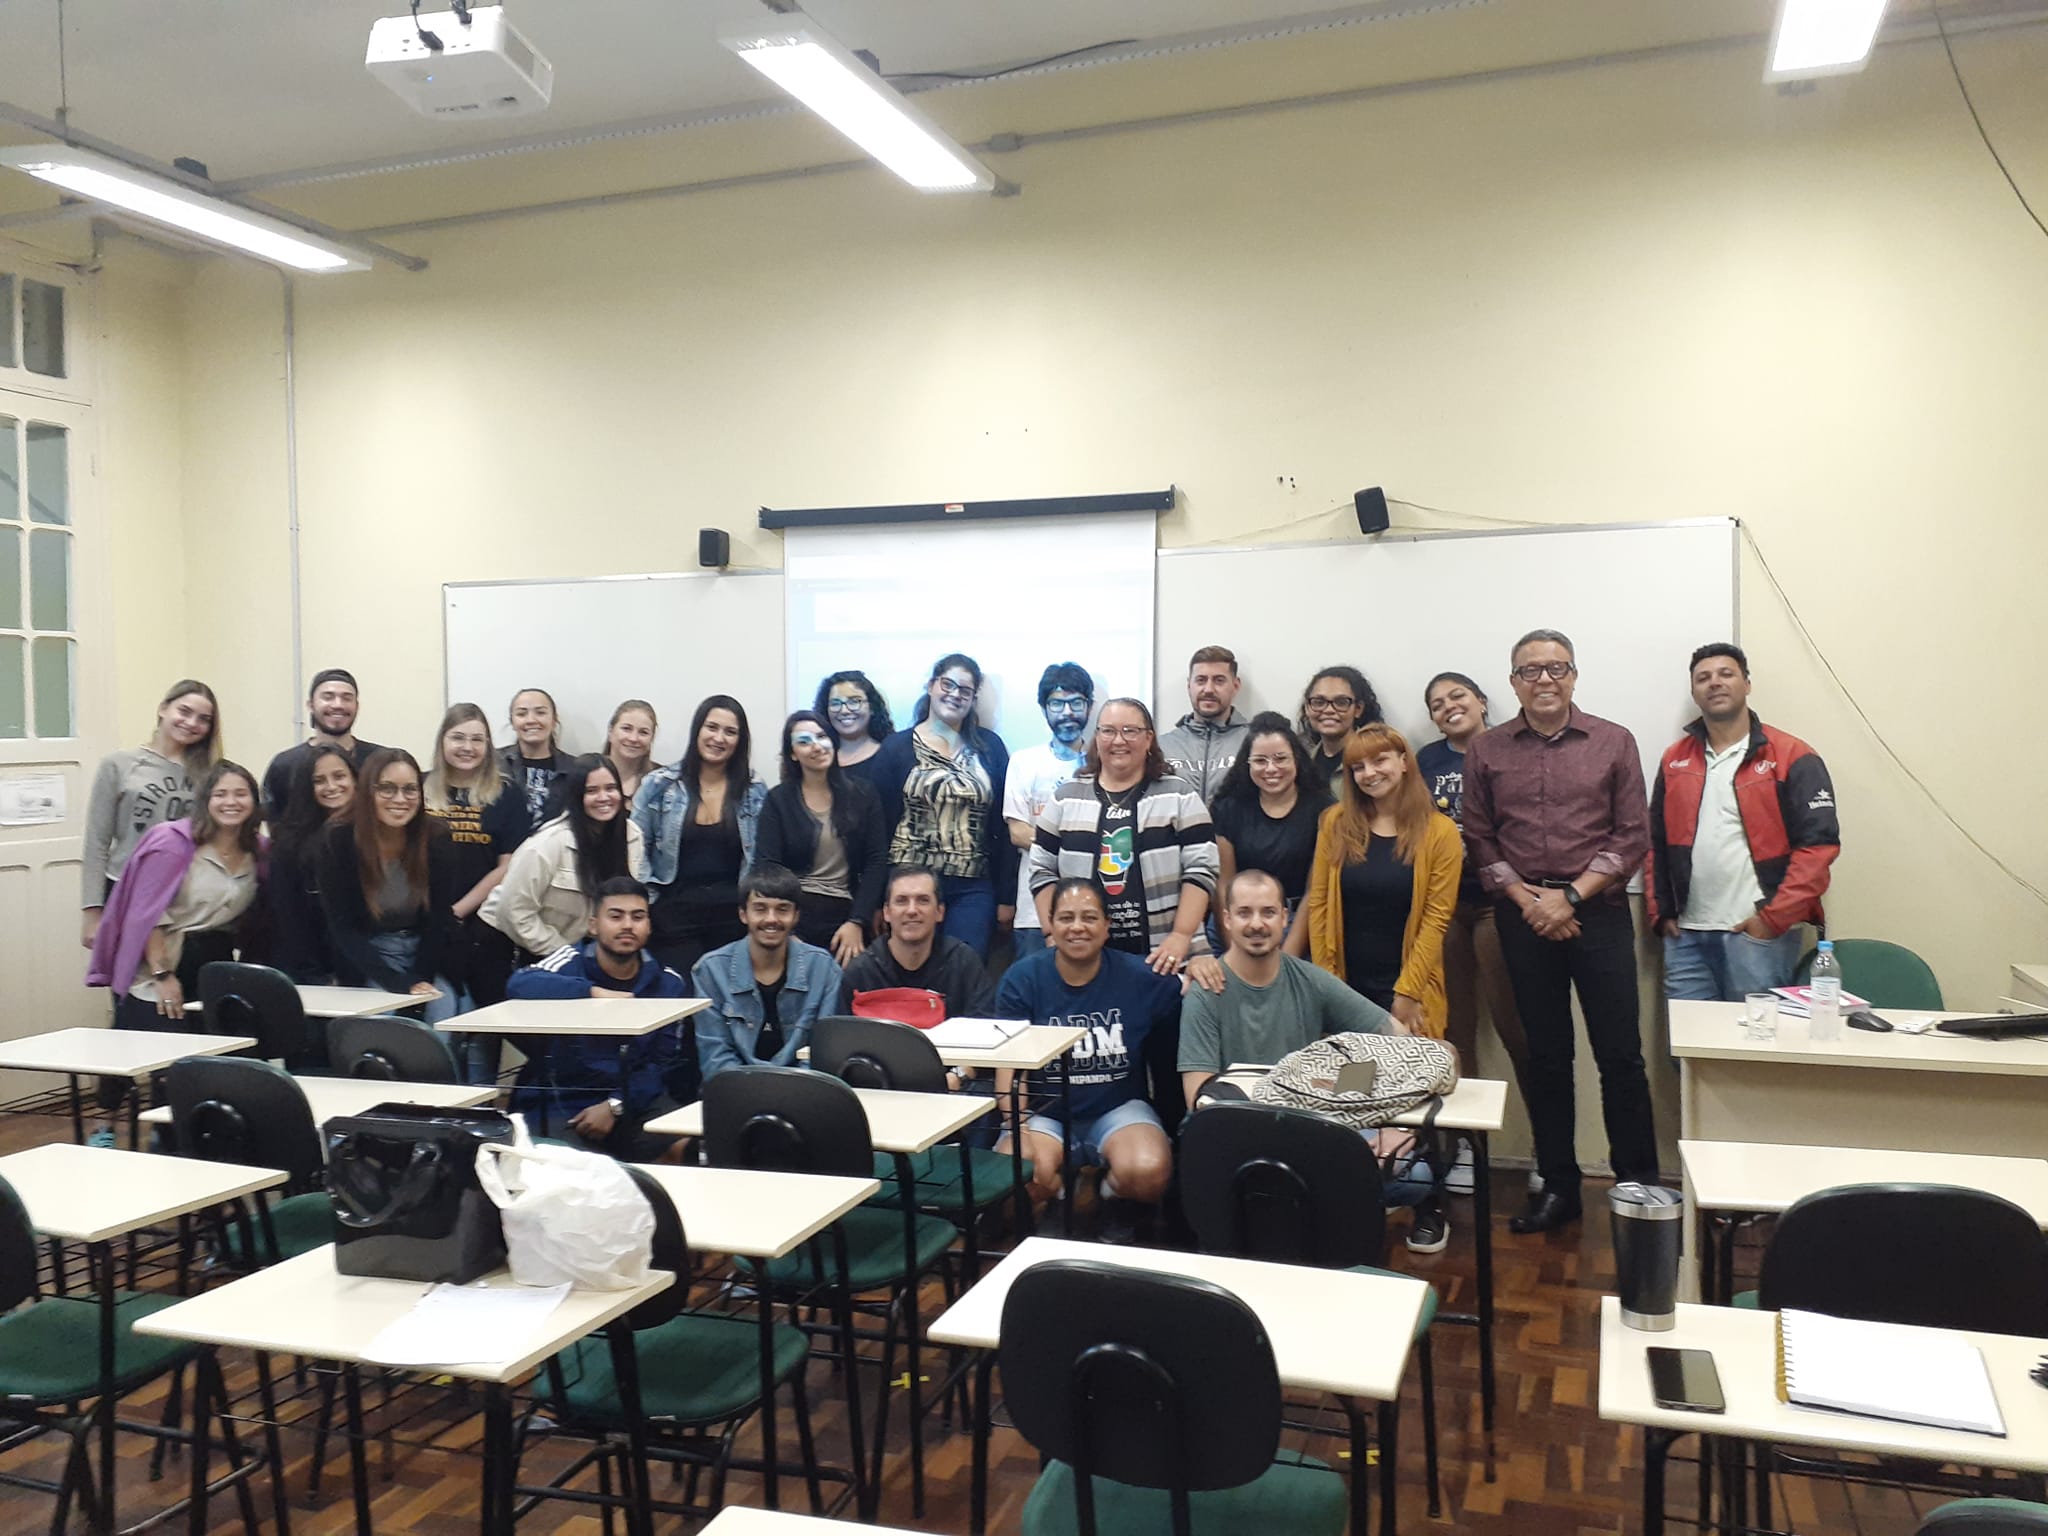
{"x": 177, "y": 904}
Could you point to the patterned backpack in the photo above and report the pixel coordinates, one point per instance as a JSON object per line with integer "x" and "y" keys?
{"x": 1412, "y": 1070}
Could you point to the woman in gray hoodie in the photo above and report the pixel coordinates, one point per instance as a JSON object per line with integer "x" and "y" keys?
{"x": 144, "y": 787}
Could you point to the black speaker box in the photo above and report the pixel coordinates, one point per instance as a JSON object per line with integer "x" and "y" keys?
{"x": 714, "y": 545}
{"x": 1372, "y": 510}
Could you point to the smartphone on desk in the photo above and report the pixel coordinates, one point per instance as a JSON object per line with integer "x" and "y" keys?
{"x": 1685, "y": 1379}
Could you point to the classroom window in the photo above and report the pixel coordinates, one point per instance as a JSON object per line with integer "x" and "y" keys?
{"x": 7, "y": 359}
{"x": 42, "y": 328}
{"x": 38, "y": 645}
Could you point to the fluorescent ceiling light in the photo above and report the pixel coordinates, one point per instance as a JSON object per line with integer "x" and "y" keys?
{"x": 103, "y": 179}
{"x": 850, "y": 96}
{"x": 1822, "y": 37}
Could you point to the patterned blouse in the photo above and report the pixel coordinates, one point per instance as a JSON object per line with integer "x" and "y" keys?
{"x": 946, "y": 801}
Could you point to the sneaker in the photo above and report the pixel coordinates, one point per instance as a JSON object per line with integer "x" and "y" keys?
{"x": 105, "y": 1136}
{"x": 1459, "y": 1180}
{"x": 1119, "y": 1223}
{"x": 1432, "y": 1229}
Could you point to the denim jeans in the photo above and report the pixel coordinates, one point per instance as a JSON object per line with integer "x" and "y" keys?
{"x": 970, "y": 910}
{"x": 399, "y": 949}
{"x": 1720, "y": 965}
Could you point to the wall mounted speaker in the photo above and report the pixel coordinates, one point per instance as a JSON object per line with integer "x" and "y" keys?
{"x": 714, "y": 546}
{"x": 1372, "y": 510}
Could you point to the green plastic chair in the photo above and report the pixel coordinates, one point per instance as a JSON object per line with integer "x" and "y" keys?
{"x": 1890, "y": 975}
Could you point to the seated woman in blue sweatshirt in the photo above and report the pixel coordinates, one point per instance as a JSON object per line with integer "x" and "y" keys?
{"x": 1120, "y": 1001}
{"x": 605, "y": 1106}
{"x": 767, "y": 989}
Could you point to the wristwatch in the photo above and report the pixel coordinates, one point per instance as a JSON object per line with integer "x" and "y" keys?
{"x": 1572, "y": 897}
{"x": 616, "y": 1106}
{"x": 161, "y": 975}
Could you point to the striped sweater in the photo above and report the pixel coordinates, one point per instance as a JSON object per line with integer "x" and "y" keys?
{"x": 1176, "y": 845}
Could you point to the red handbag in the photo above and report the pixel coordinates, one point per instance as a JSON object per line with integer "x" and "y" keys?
{"x": 905, "y": 1005}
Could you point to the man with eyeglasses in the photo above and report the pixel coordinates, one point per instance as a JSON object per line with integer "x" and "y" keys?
{"x": 1209, "y": 737}
{"x": 1066, "y": 695}
{"x": 1557, "y": 821}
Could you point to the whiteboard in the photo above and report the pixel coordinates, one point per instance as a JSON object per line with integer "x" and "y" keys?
{"x": 669, "y": 639}
{"x": 1636, "y": 599}
{"x": 1016, "y": 594}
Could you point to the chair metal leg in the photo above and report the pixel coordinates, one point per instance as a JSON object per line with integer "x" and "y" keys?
{"x": 174, "y": 1408}
{"x": 323, "y": 1427}
{"x": 800, "y": 1401}
{"x": 1429, "y": 1425}
{"x": 882, "y": 1397}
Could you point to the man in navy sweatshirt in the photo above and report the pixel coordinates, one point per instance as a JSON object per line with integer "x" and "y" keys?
{"x": 605, "y": 1105}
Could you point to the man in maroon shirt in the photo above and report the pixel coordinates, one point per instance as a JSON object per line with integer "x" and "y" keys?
{"x": 1557, "y": 820}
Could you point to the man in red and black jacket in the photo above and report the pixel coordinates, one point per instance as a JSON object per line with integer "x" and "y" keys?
{"x": 1742, "y": 833}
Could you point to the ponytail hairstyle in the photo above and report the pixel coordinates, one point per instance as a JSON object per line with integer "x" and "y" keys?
{"x": 412, "y": 854}
{"x": 554, "y": 735}
{"x": 602, "y": 850}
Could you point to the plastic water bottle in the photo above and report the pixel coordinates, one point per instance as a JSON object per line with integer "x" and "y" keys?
{"x": 1825, "y": 1017}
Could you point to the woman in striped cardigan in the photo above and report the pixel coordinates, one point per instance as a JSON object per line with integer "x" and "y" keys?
{"x": 1144, "y": 835}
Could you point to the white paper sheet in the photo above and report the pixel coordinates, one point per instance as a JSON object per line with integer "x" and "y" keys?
{"x": 466, "y": 1325}
{"x": 966, "y": 1034}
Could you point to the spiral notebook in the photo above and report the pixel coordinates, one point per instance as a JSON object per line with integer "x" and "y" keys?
{"x": 1913, "y": 1375}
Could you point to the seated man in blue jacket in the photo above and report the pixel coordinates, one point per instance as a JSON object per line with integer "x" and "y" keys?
{"x": 606, "y": 1101}
{"x": 767, "y": 989}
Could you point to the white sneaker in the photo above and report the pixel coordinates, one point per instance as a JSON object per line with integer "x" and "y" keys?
{"x": 1535, "y": 1182}
{"x": 1459, "y": 1180}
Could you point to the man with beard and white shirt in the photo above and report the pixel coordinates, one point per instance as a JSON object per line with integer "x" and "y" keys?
{"x": 1066, "y": 696}
{"x": 1742, "y": 833}
{"x": 767, "y": 989}
{"x": 1206, "y": 742}
{"x": 331, "y": 704}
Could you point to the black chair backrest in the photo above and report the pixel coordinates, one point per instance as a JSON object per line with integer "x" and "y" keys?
{"x": 877, "y": 1053}
{"x": 229, "y": 1109}
{"x": 257, "y": 1001}
{"x": 391, "y": 1049}
{"x": 671, "y": 1252}
{"x": 787, "y": 1119}
{"x": 1986, "y": 1517}
{"x": 18, "y": 1258}
{"x": 1260, "y": 1182}
{"x": 1158, "y": 1381}
{"x": 1930, "y": 1255}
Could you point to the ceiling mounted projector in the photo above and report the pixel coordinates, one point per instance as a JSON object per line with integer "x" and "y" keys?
{"x": 465, "y": 63}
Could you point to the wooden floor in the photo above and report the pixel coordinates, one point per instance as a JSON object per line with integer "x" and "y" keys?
{"x": 1561, "y": 1470}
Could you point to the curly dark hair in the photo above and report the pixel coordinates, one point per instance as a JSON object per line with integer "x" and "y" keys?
{"x": 880, "y": 725}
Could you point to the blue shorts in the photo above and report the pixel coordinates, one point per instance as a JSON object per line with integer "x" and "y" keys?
{"x": 1089, "y": 1135}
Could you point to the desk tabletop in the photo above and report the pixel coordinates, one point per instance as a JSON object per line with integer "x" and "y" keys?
{"x": 1767, "y": 1179}
{"x": 91, "y": 1194}
{"x": 304, "y": 1306}
{"x": 328, "y": 1097}
{"x": 347, "y": 1002}
{"x": 1744, "y": 1345}
{"x": 1296, "y": 1304}
{"x": 897, "y": 1122}
{"x": 735, "y": 1520}
{"x": 1030, "y": 1049}
{"x": 624, "y": 1017}
{"x": 753, "y": 1213}
{"x": 112, "y": 1052}
{"x": 1714, "y": 1032}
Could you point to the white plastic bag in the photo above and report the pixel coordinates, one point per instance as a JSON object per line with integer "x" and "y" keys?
{"x": 568, "y": 1215}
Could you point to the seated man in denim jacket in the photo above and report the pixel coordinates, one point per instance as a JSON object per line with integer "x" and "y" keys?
{"x": 766, "y": 989}
{"x": 580, "y": 1075}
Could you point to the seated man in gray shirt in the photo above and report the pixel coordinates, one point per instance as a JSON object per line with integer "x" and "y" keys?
{"x": 1273, "y": 1004}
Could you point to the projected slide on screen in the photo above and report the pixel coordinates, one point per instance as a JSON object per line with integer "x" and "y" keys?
{"x": 1015, "y": 594}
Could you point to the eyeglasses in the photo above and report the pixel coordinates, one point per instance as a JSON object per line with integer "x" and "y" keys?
{"x": 1319, "y": 705}
{"x": 952, "y": 690}
{"x": 398, "y": 791}
{"x": 1535, "y": 671}
{"x": 1264, "y": 764}
{"x": 1066, "y": 706}
{"x": 1121, "y": 732}
{"x": 847, "y": 707}
{"x": 805, "y": 739}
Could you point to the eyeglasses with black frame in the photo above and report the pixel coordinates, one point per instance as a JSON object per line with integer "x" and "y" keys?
{"x": 1536, "y": 671}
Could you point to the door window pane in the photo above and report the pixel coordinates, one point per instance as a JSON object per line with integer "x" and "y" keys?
{"x": 10, "y": 469}
{"x": 10, "y": 578}
{"x": 49, "y": 580}
{"x": 49, "y": 473}
{"x": 7, "y": 321}
{"x": 53, "y": 686}
{"x": 42, "y": 328}
{"x": 13, "y": 693}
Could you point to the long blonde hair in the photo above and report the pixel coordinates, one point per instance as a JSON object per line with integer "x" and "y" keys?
{"x": 490, "y": 783}
{"x": 1412, "y": 809}
{"x": 211, "y": 747}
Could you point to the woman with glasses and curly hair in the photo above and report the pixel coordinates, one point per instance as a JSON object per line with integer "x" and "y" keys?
{"x": 1336, "y": 702}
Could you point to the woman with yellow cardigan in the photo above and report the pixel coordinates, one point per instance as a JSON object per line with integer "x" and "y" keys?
{"x": 1380, "y": 895}
{"x": 1384, "y": 884}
